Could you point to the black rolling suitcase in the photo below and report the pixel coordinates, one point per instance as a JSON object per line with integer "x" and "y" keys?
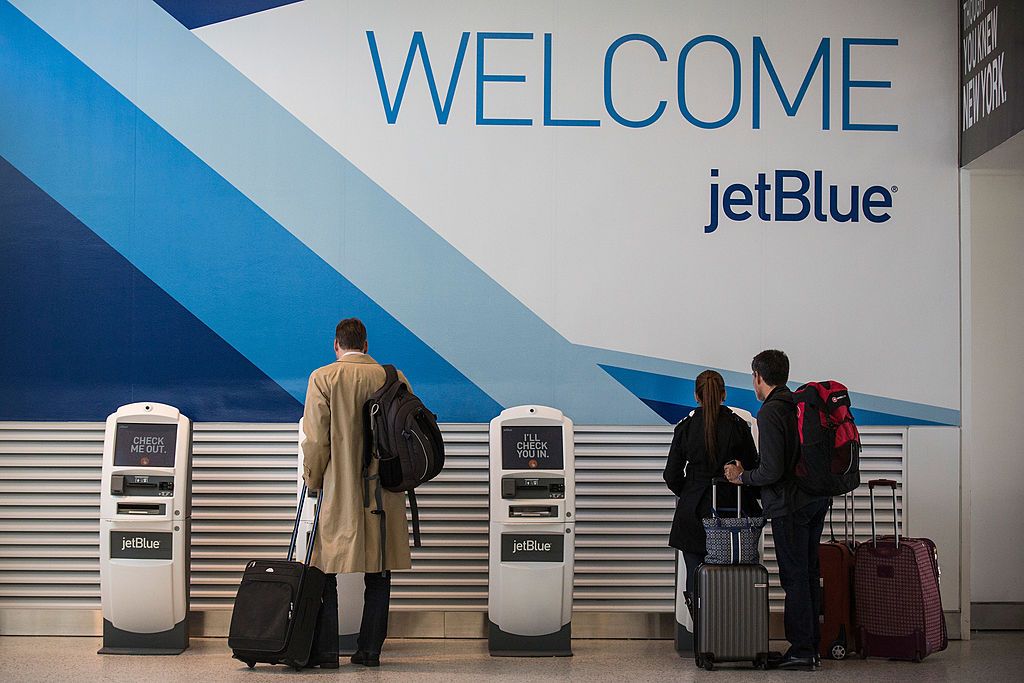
{"x": 275, "y": 615}
{"x": 731, "y": 620}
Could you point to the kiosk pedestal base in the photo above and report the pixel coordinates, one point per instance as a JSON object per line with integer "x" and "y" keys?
{"x": 502, "y": 644}
{"x": 347, "y": 644}
{"x": 117, "y": 642}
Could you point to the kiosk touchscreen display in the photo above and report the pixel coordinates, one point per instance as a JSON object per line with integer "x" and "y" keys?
{"x": 145, "y": 445}
{"x": 531, "y": 447}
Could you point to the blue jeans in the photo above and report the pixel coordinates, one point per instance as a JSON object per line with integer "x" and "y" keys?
{"x": 797, "y": 536}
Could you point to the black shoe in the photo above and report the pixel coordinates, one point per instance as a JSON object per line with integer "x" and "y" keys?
{"x": 792, "y": 663}
{"x": 366, "y": 658}
{"x": 325, "y": 664}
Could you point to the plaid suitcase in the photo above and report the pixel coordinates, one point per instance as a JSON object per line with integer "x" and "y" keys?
{"x": 274, "y": 619}
{"x": 899, "y": 609}
{"x": 838, "y": 618}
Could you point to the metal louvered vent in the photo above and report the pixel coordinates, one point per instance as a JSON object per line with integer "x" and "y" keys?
{"x": 244, "y": 497}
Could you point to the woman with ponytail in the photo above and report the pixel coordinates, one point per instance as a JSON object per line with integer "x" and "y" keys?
{"x": 703, "y": 443}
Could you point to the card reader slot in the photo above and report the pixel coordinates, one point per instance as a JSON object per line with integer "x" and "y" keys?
{"x": 532, "y": 510}
{"x": 140, "y": 508}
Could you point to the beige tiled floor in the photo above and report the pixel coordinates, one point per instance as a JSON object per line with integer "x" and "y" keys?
{"x": 990, "y": 657}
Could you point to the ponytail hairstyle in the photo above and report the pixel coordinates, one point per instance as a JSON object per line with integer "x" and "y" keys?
{"x": 710, "y": 392}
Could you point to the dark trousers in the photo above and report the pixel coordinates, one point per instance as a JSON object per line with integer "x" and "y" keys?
{"x": 692, "y": 561}
{"x": 376, "y": 602}
{"x": 374, "y": 627}
{"x": 796, "y": 537}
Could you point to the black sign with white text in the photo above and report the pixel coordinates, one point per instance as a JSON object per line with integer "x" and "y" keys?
{"x": 531, "y": 448}
{"x": 991, "y": 74}
{"x": 145, "y": 445}
{"x": 532, "y": 548}
{"x": 140, "y": 545}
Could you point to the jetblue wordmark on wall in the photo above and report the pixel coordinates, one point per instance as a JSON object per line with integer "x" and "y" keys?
{"x": 532, "y": 547}
{"x": 806, "y": 199}
{"x": 140, "y": 545}
{"x": 531, "y": 447}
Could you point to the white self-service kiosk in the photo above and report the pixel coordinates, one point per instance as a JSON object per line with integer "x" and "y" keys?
{"x": 684, "y": 624}
{"x": 350, "y": 586}
{"x": 145, "y": 525}
{"x": 532, "y": 533}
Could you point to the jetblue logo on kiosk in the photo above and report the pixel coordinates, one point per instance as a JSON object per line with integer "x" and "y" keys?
{"x": 140, "y": 542}
{"x": 530, "y": 545}
{"x": 794, "y": 196}
{"x": 138, "y": 545}
{"x": 532, "y": 548}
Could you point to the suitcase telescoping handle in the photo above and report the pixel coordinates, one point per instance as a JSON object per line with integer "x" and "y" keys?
{"x": 849, "y": 519}
{"x": 298, "y": 518}
{"x": 895, "y": 522}
{"x": 714, "y": 497}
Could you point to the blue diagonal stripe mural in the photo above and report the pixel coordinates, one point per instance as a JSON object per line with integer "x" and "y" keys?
{"x": 267, "y": 234}
{"x": 188, "y": 230}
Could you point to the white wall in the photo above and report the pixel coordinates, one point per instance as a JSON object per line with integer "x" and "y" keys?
{"x": 993, "y": 443}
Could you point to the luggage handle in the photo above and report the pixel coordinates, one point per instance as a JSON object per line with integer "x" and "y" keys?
{"x": 298, "y": 519}
{"x": 849, "y": 519}
{"x": 895, "y": 522}
{"x": 714, "y": 497}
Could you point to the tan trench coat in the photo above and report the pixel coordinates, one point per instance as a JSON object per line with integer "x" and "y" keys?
{"x": 348, "y": 539}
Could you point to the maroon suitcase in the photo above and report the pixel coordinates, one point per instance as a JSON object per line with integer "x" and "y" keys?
{"x": 836, "y": 557}
{"x": 899, "y": 609}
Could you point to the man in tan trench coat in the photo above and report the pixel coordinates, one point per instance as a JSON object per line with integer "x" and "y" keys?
{"x": 348, "y": 539}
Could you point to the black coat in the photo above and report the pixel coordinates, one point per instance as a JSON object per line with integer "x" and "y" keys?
{"x": 779, "y": 450}
{"x": 688, "y": 474}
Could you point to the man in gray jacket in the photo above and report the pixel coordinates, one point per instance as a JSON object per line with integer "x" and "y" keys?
{"x": 797, "y": 517}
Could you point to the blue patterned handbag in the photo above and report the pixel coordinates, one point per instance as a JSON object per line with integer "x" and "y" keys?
{"x": 732, "y": 540}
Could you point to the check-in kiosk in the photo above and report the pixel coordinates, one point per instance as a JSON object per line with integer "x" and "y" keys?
{"x": 684, "y": 624}
{"x": 532, "y": 533}
{"x": 350, "y": 586}
{"x": 145, "y": 524}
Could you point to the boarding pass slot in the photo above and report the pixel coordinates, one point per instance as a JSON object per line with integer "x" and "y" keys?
{"x": 533, "y": 511}
{"x": 141, "y": 508}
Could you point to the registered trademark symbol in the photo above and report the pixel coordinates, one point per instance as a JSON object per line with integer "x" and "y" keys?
{"x": 895, "y": 189}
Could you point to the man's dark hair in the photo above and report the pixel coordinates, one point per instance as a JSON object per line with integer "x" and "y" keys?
{"x": 350, "y": 334}
{"x": 773, "y": 366}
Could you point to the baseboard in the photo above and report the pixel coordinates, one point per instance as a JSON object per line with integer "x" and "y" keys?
{"x": 997, "y": 616}
{"x": 439, "y": 624}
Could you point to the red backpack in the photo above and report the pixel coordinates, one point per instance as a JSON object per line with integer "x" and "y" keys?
{"x": 829, "y": 462}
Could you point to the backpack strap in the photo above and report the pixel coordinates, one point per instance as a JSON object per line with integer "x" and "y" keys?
{"x": 378, "y": 494}
{"x": 415, "y": 510}
{"x": 390, "y": 374}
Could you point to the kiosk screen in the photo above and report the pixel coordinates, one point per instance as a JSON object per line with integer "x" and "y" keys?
{"x": 145, "y": 445}
{"x": 531, "y": 447}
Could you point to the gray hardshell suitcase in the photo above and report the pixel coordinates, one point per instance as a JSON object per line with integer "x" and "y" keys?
{"x": 731, "y": 623}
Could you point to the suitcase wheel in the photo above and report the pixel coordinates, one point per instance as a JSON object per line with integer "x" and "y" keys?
{"x": 838, "y": 651}
{"x": 706, "y": 662}
{"x": 249, "y": 663}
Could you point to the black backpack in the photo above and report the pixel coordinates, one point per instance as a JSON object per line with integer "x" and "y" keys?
{"x": 402, "y": 434}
